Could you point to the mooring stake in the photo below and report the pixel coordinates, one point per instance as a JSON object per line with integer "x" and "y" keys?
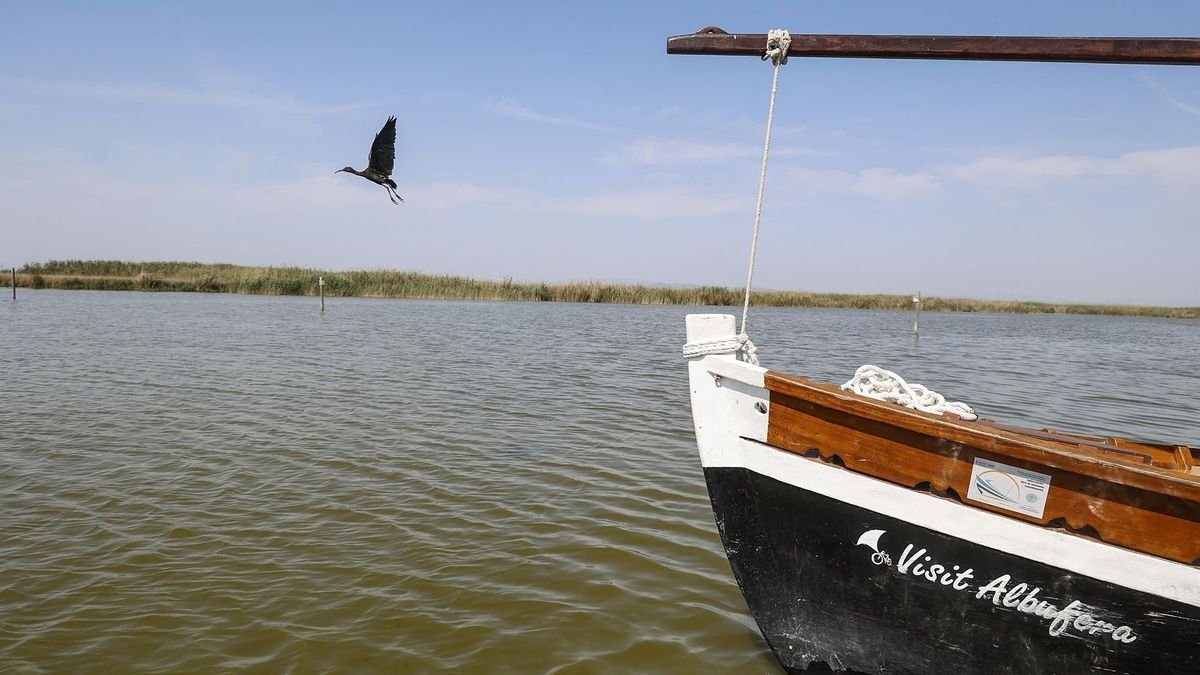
{"x": 321, "y": 285}
{"x": 917, "y": 313}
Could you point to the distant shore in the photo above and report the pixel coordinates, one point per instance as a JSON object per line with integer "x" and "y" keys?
{"x": 114, "y": 275}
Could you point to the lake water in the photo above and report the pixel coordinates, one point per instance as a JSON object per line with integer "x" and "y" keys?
{"x": 208, "y": 483}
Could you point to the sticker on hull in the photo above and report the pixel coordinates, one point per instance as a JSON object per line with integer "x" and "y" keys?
{"x": 1009, "y": 487}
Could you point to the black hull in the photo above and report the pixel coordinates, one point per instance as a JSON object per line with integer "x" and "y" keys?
{"x": 825, "y": 598}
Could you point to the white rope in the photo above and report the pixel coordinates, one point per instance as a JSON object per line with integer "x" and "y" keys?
{"x": 884, "y": 385}
{"x": 871, "y": 381}
{"x": 740, "y": 345}
{"x": 778, "y": 42}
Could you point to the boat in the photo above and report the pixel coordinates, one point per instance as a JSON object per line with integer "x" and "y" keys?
{"x": 867, "y": 536}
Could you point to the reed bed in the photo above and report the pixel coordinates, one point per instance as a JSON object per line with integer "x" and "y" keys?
{"x": 117, "y": 275}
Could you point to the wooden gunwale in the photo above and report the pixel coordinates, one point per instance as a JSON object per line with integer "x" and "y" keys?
{"x": 1122, "y": 499}
{"x": 1060, "y": 454}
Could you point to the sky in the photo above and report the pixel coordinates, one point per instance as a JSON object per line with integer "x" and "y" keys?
{"x": 558, "y": 141}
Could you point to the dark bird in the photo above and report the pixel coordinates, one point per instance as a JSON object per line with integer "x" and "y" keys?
{"x": 381, "y": 161}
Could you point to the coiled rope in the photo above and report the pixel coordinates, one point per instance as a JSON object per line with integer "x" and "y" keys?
{"x": 884, "y": 385}
{"x": 778, "y": 42}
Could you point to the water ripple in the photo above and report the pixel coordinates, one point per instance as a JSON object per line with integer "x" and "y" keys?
{"x": 199, "y": 483}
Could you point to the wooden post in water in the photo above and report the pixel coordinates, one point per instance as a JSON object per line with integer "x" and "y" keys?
{"x": 321, "y": 285}
{"x": 917, "y": 313}
{"x": 14, "y": 282}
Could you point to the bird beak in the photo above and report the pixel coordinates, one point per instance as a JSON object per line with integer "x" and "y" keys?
{"x": 339, "y": 171}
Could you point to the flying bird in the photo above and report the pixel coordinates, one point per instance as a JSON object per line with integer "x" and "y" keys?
{"x": 381, "y": 161}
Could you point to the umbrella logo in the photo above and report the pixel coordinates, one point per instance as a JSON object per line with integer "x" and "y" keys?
{"x": 871, "y": 538}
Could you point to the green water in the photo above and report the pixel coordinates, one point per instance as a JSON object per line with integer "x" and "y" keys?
{"x": 203, "y": 483}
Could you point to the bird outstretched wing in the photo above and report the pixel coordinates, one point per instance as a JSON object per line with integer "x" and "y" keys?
{"x": 383, "y": 150}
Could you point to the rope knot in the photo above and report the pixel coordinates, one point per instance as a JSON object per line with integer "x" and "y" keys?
{"x": 739, "y": 345}
{"x": 778, "y": 42}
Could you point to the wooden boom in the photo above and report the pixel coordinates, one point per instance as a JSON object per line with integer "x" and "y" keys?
{"x": 1147, "y": 50}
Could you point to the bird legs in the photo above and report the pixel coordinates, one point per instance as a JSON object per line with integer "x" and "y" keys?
{"x": 392, "y": 194}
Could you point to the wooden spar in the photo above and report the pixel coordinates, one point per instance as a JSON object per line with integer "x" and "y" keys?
{"x": 1146, "y": 50}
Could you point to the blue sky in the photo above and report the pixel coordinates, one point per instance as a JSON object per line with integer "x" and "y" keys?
{"x": 558, "y": 141}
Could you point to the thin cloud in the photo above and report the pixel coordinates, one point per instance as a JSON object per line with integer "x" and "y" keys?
{"x": 876, "y": 183}
{"x": 655, "y": 204}
{"x": 321, "y": 192}
{"x": 648, "y": 204}
{"x": 451, "y": 196}
{"x": 1166, "y": 95}
{"x": 1171, "y": 165}
{"x": 185, "y": 96}
{"x": 510, "y": 108}
{"x": 11, "y": 111}
{"x": 667, "y": 152}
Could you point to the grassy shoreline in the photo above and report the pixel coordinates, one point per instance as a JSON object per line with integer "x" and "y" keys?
{"x": 116, "y": 275}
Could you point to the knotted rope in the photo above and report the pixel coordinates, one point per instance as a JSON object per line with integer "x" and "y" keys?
{"x": 740, "y": 345}
{"x": 884, "y": 385}
{"x": 778, "y": 42}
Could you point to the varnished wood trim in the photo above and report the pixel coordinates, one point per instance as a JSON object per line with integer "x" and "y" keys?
{"x": 1058, "y": 454}
{"x": 1185, "y": 458}
{"x": 1125, "y": 502}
